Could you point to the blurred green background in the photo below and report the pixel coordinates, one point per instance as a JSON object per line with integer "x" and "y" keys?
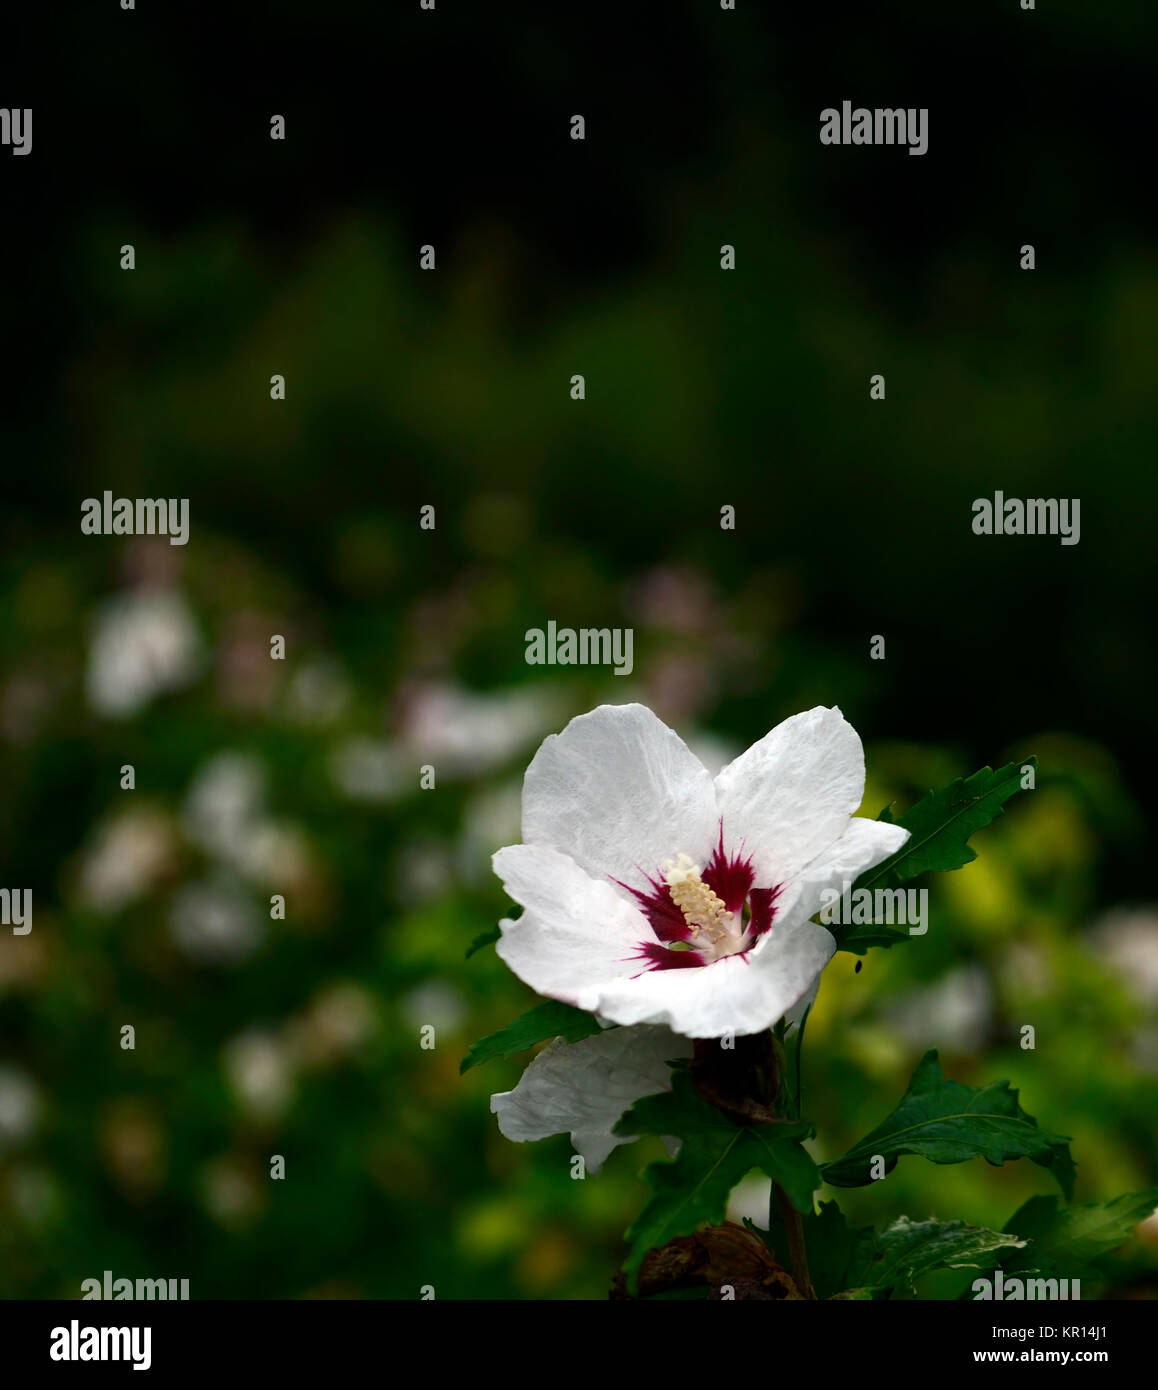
{"x": 404, "y": 647}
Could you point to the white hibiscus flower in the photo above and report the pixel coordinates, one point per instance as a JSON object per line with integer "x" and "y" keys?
{"x": 652, "y": 893}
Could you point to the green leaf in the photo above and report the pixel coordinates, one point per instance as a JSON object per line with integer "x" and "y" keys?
{"x": 548, "y": 1020}
{"x": 900, "y": 1254}
{"x": 857, "y": 938}
{"x": 484, "y": 938}
{"x": 939, "y": 828}
{"x": 948, "y": 1122}
{"x": 714, "y": 1155}
{"x": 1066, "y": 1240}
{"x": 844, "y": 1262}
{"x": 828, "y": 1240}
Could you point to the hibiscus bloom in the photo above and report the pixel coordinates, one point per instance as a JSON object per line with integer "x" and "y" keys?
{"x": 652, "y": 893}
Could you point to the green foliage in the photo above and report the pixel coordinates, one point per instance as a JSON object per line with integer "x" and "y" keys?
{"x": 714, "y": 1155}
{"x": 949, "y": 1122}
{"x": 1065, "y": 1240}
{"x": 484, "y": 938}
{"x": 548, "y": 1020}
{"x": 846, "y": 1262}
{"x": 939, "y": 829}
{"x": 897, "y": 1256}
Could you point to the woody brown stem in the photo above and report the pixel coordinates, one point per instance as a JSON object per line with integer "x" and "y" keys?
{"x": 794, "y": 1230}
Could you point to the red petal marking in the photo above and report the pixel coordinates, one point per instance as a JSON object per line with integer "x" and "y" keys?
{"x": 762, "y": 901}
{"x": 664, "y": 958}
{"x": 730, "y": 878}
{"x": 665, "y": 919}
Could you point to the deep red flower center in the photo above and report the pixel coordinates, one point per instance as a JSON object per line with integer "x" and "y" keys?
{"x": 700, "y": 917}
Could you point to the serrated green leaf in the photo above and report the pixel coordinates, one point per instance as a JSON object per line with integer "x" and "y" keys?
{"x": 1066, "y": 1240}
{"x": 949, "y": 1122}
{"x": 548, "y": 1020}
{"x": 848, "y": 1263}
{"x": 900, "y": 1254}
{"x": 939, "y": 828}
{"x": 692, "y": 1189}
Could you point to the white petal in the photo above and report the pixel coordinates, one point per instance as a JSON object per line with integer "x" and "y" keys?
{"x": 584, "y": 1087}
{"x": 737, "y": 994}
{"x": 576, "y": 933}
{"x": 864, "y": 844}
{"x": 795, "y": 1015}
{"x": 618, "y": 791}
{"x": 790, "y": 795}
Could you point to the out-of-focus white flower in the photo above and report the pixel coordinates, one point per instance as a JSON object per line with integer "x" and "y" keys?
{"x": 223, "y": 802}
{"x": 371, "y": 769}
{"x": 214, "y": 923}
{"x": 953, "y": 1013}
{"x": 318, "y": 693}
{"x": 143, "y": 643}
{"x": 424, "y": 869}
{"x": 230, "y": 1191}
{"x": 1127, "y": 940}
{"x": 337, "y": 1022}
{"x": 435, "y": 1003}
{"x": 19, "y": 1106}
{"x": 131, "y": 851}
{"x": 259, "y": 1072}
{"x": 655, "y": 894}
{"x": 225, "y": 815}
{"x": 462, "y": 732}
{"x": 490, "y": 816}
{"x": 274, "y": 853}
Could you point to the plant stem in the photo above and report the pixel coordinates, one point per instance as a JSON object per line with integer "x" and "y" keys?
{"x": 789, "y": 1216}
{"x": 795, "y": 1233}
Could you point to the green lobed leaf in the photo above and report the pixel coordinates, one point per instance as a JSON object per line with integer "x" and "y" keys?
{"x": 939, "y": 828}
{"x": 548, "y": 1020}
{"x": 949, "y": 1122}
{"x": 900, "y": 1254}
{"x": 1066, "y": 1240}
{"x": 715, "y": 1153}
{"x": 847, "y": 1263}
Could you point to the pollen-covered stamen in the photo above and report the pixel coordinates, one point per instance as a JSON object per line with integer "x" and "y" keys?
{"x": 714, "y": 929}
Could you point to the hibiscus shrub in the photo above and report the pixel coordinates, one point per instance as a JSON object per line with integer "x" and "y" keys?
{"x": 678, "y": 925}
